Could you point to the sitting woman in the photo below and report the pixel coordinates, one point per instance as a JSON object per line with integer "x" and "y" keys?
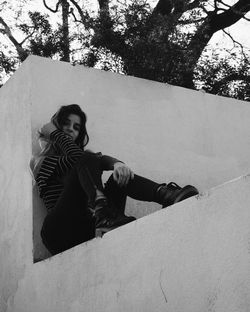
{"x": 69, "y": 180}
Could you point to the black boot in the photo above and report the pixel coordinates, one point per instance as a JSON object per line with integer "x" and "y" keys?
{"x": 105, "y": 222}
{"x": 117, "y": 211}
{"x": 171, "y": 193}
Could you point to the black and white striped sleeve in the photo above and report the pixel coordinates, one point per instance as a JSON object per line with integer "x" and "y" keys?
{"x": 58, "y": 165}
{"x": 66, "y": 144}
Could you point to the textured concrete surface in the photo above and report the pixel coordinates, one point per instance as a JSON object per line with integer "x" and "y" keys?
{"x": 191, "y": 257}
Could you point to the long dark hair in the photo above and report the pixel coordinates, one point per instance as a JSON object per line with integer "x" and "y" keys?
{"x": 61, "y": 115}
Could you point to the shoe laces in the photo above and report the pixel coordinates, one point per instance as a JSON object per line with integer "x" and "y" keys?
{"x": 100, "y": 205}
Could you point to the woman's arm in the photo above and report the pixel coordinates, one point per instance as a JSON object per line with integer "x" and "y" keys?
{"x": 66, "y": 144}
{"x": 121, "y": 172}
{"x": 53, "y": 164}
{"x": 107, "y": 162}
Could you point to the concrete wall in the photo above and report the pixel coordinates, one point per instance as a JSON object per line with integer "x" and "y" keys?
{"x": 15, "y": 185}
{"x": 163, "y": 132}
{"x": 191, "y": 257}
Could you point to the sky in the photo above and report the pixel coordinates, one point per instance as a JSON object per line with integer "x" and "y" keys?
{"x": 240, "y": 31}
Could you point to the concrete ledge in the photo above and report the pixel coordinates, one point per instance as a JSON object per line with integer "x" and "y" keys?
{"x": 192, "y": 257}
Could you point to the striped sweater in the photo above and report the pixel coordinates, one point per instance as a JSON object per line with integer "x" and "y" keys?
{"x": 54, "y": 167}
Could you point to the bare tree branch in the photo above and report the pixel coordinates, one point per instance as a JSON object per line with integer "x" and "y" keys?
{"x": 229, "y": 6}
{"x": 211, "y": 24}
{"x": 30, "y": 35}
{"x": 7, "y": 31}
{"x": 231, "y": 16}
{"x": 193, "y": 5}
{"x": 237, "y": 43}
{"x": 215, "y": 22}
{"x": 71, "y": 11}
{"x": 215, "y": 6}
{"x": 79, "y": 11}
{"x": 52, "y": 10}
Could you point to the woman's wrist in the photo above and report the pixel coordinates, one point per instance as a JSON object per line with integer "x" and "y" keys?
{"x": 47, "y": 129}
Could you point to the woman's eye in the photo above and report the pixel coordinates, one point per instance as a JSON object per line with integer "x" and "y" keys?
{"x": 65, "y": 123}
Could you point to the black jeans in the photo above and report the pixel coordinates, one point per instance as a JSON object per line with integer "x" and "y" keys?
{"x": 71, "y": 222}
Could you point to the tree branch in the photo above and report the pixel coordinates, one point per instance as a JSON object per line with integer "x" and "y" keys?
{"x": 79, "y": 11}
{"x": 163, "y": 7}
{"x": 216, "y": 6}
{"x": 229, "y": 17}
{"x": 30, "y": 35}
{"x": 238, "y": 43}
{"x": 214, "y": 22}
{"x": 193, "y": 5}
{"x": 229, "y": 6}
{"x": 20, "y": 50}
{"x": 52, "y": 10}
{"x": 71, "y": 11}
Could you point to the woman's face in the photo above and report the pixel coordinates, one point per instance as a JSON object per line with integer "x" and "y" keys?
{"x": 71, "y": 126}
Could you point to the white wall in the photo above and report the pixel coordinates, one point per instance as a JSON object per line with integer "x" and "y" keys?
{"x": 191, "y": 257}
{"x": 163, "y": 132}
{"x": 195, "y": 253}
{"x": 15, "y": 185}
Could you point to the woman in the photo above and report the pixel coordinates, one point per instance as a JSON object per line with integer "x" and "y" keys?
{"x": 70, "y": 185}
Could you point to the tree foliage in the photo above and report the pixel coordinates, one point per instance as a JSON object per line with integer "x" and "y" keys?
{"x": 166, "y": 42}
{"x": 227, "y": 75}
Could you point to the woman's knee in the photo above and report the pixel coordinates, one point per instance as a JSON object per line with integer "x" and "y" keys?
{"x": 86, "y": 158}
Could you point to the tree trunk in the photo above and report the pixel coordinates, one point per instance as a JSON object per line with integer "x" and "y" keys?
{"x": 65, "y": 30}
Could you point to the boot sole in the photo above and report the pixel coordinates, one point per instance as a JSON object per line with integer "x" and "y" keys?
{"x": 100, "y": 231}
{"x": 186, "y": 192}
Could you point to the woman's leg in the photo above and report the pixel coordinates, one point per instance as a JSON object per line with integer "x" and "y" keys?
{"x": 143, "y": 189}
{"x": 70, "y": 222}
{"x": 89, "y": 170}
{"x": 139, "y": 188}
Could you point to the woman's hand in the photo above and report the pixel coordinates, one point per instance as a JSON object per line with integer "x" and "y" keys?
{"x": 122, "y": 174}
{"x": 47, "y": 129}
